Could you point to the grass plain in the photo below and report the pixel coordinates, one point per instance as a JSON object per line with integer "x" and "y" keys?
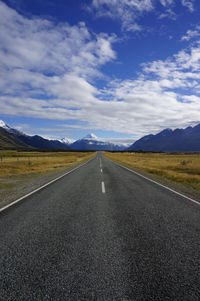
{"x": 181, "y": 169}
{"x": 14, "y": 163}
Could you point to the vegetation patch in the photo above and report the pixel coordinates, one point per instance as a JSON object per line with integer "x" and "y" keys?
{"x": 20, "y": 163}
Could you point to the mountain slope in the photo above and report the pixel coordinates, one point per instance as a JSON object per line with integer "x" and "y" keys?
{"x": 9, "y": 141}
{"x": 178, "y": 140}
{"x": 13, "y": 139}
{"x": 42, "y": 143}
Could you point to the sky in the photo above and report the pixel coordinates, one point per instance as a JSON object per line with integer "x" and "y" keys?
{"x": 120, "y": 69}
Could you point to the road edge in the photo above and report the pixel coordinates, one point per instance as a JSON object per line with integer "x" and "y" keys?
{"x": 43, "y": 186}
{"x": 157, "y": 183}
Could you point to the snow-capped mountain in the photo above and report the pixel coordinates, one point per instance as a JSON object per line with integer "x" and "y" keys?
{"x": 92, "y": 142}
{"x": 66, "y": 140}
{"x": 9, "y": 129}
{"x": 8, "y": 140}
{"x": 91, "y": 137}
{"x": 4, "y": 125}
{"x": 89, "y": 142}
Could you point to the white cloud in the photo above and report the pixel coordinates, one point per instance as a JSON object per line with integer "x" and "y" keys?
{"x": 119, "y": 141}
{"x": 128, "y": 12}
{"x": 166, "y": 94}
{"x": 40, "y": 45}
{"x": 191, "y": 34}
{"x": 166, "y": 2}
{"x": 47, "y": 71}
{"x": 189, "y": 4}
{"x": 169, "y": 13}
{"x": 46, "y": 68}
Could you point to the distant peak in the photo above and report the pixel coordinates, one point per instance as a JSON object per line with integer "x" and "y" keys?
{"x": 66, "y": 140}
{"x": 90, "y": 136}
{"x": 9, "y": 129}
{"x": 4, "y": 125}
{"x": 165, "y": 132}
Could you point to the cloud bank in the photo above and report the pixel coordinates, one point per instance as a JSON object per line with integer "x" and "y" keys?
{"x": 48, "y": 71}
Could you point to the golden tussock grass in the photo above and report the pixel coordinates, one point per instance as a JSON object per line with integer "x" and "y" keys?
{"x": 13, "y": 163}
{"x": 178, "y": 168}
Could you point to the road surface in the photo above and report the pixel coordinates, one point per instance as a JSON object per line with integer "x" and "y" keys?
{"x": 101, "y": 233}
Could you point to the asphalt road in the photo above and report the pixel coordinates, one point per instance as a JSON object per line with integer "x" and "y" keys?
{"x": 101, "y": 235}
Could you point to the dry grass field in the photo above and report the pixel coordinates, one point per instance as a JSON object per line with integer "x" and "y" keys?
{"x": 183, "y": 169}
{"x": 21, "y": 172}
{"x": 14, "y": 163}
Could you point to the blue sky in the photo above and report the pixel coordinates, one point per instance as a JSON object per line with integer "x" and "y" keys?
{"x": 120, "y": 69}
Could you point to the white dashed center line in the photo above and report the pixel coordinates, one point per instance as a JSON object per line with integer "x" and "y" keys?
{"x": 103, "y": 187}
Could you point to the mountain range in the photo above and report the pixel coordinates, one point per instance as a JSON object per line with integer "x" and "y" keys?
{"x": 168, "y": 140}
{"x": 13, "y": 139}
{"x": 92, "y": 142}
